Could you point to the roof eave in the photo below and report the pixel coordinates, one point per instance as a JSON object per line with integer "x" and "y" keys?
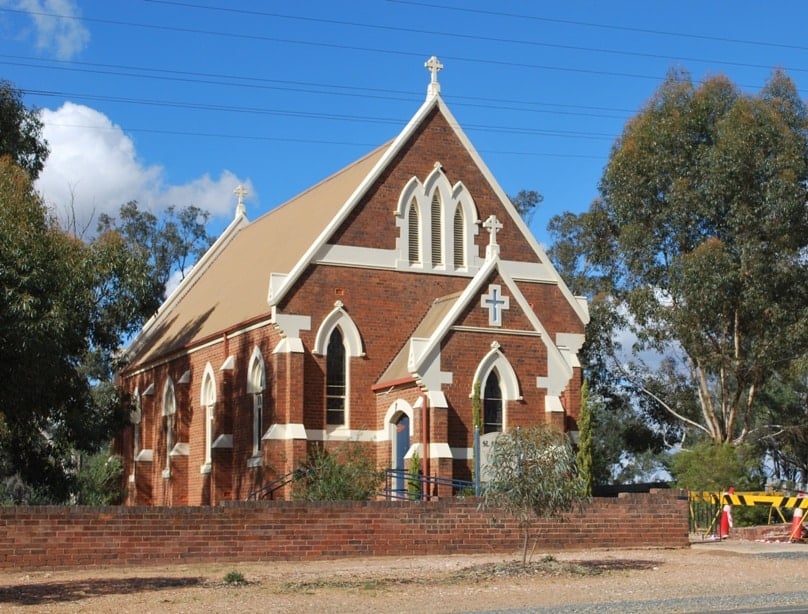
{"x": 354, "y": 198}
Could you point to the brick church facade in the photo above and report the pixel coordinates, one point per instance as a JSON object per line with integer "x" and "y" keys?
{"x": 360, "y": 312}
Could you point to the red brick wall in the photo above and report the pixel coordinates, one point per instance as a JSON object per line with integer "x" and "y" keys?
{"x": 63, "y": 537}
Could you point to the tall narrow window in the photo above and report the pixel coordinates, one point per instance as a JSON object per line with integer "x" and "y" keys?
{"x": 437, "y": 230}
{"x": 256, "y": 385}
{"x": 459, "y": 238}
{"x": 209, "y": 401}
{"x": 169, "y": 411}
{"x": 492, "y": 404}
{"x": 136, "y": 416}
{"x": 414, "y": 233}
{"x": 335, "y": 379}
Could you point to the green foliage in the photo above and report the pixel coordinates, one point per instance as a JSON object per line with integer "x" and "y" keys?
{"x": 65, "y": 306}
{"x": 414, "y": 478}
{"x": 710, "y": 466}
{"x": 99, "y": 479}
{"x": 21, "y": 132}
{"x": 164, "y": 245}
{"x": 533, "y": 475}
{"x": 235, "y": 578}
{"x": 14, "y": 491}
{"x": 476, "y": 407}
{"x": 346, "y": 473}
{"x": 697, "y": 245}
{"x": 584, "y": 454}
{"x": 526, "y": 202}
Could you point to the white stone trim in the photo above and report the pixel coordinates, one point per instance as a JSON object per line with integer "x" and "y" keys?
{"x": 436, "y": 450}
{"x": 180, "y": 449}
{"x": 286, "y": 432}
{"x": 400, "y": 406}
{"x": 145, "y": 456}
{"x": 350, "y": 333}
{"x": 256, "y": 358}
{"x": 508, "y": 382}
{"x": 223, "y": 442}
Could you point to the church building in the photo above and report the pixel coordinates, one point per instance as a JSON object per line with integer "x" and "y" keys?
{"x": 360, "y": 312}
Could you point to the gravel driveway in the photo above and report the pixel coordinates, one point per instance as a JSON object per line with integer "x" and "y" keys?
{"x": 709, "y": 576}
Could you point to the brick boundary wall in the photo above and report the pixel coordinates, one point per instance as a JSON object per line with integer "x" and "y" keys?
{"x": 51, "y": 537}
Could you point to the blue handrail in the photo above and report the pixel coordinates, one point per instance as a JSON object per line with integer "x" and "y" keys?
{"x": 403, "y": 485}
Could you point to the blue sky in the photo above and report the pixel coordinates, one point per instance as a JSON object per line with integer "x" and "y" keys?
{"x": 176, "y": 102}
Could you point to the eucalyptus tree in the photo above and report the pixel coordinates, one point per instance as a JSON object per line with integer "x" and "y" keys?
{"x": 698, "y": 243}
{"x": 21, "y": 131}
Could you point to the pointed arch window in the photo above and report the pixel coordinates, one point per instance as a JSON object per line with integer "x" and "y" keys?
{"x": 336, "y": 379}
{"x": 437, "y": 230}
{"x": 492, "y": 404}
{"x": 414, "y": 233}
{"x": 257, "y": 384}
{"x": 209, "y": 403}
{"x": 459, "y": 232}
{"x": 135, "y": 418}
{"x": 169, "y": 414}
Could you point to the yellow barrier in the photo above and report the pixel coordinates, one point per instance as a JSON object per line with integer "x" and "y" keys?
{"x": 750, "y": 499}
{"x": 776, "y": 501}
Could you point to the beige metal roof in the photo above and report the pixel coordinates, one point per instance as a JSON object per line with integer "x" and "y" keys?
{"x": 232, "y": 288}
{"x": 434, "y": 316}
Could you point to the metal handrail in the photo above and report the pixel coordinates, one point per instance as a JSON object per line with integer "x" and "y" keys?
{"x": 268, "y": 490}
{"x": 417, "y": 486}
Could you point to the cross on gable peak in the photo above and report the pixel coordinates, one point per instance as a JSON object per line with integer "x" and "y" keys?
{"x": 493, "y": 226}
{"x": 240, "y": 191}
{"x": 434, "y": 66}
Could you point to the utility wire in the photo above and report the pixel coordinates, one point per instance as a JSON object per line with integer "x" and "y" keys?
{"x": 589, "y": 24}
{"x": 474, "y": 37}
{"x": 373, "y": 50}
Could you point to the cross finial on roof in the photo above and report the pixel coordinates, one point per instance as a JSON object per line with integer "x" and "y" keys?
{"x": 493, "y": 226}
{"x": 241, "y": 192}
{"x": 434, "y": 66}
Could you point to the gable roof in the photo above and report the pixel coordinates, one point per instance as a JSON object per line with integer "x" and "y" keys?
{"x": 202, "y": 306}
{"x": 433, "y": 100}
{"x": 415, "y": 358}
{"x": 284, "y": 242}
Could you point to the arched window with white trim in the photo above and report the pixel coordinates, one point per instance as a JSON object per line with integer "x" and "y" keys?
{"x": 492, "y": 404}
{"x": 338, "y": 340}
{"x": 414, "y": 239}
{"x": 208, "y": 399}
{"x": 336, "y": 379}
{"x": 498, "y": 386}
{"x": 169, "y": 414}
{"x": 459, "y": 233}
{"x": 437, "y": 223}
{"x": 256, "y": 385}
{"x": 135, "y": 417}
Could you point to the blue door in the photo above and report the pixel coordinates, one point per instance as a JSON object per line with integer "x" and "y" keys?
{"x": 402, "y": 445}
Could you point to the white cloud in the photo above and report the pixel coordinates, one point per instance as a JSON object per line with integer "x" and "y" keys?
{"x": 57, "y": 24}
{"x": 93, "y": 168}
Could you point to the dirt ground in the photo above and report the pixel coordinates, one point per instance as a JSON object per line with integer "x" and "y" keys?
{"x": 401, "y": 584}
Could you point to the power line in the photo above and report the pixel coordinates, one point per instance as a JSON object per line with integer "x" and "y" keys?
{"x": 480, "y": 37}
{"x": 252, "y": 137}
{"x": 720, "y": 39}
{"x": 374, "y": 50}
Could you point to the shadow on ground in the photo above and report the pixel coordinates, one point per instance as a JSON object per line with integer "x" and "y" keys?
{"x": 55, "y": 592}
{"x": 617, "y": 565}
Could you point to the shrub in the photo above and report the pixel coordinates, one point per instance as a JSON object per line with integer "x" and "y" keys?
{"x": 347, "y": 473}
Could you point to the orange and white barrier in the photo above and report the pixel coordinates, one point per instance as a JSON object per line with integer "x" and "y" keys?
{"x": 796, "y": 532}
